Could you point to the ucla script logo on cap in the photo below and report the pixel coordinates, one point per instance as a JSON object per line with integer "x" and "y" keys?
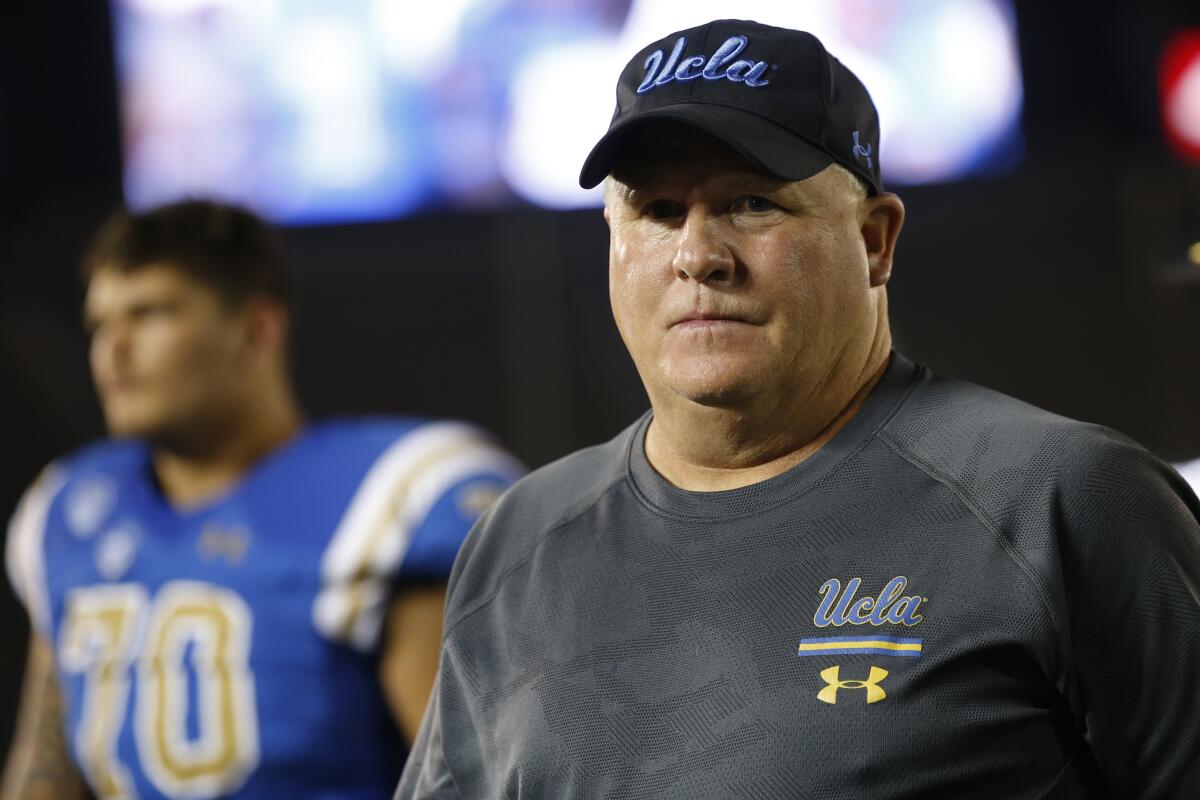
{"x": 839, "y": 606}
{"x": 720, "y": 66}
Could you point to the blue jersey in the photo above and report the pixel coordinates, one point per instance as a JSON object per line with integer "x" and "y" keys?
{"x": 231, "y": 649}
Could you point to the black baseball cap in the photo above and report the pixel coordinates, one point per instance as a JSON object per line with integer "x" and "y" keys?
{"x": 776, "y": 96}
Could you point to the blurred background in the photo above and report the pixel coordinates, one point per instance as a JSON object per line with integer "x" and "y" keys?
{"x": 422, "y": 164}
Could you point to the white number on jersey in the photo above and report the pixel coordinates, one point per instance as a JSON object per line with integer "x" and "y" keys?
{"x": 107, "y": 629}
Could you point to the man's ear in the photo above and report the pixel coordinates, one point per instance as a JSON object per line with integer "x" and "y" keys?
{"x": 266, "y": 321}
{"x": 609, "y": 190}
{"x": 882, "y": 219}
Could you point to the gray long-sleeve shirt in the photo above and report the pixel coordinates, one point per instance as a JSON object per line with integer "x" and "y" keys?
{"x": 959, "y": 596}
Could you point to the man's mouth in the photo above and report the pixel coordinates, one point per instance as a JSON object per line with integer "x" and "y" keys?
{"x": 704, "y": 319}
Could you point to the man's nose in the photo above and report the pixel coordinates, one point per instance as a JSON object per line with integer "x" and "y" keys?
{"x": 112, "y": 343}
{"x": 702, "y": 255}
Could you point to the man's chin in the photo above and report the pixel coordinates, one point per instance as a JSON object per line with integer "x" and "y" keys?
{"x": 124, "y": 431}
{"x": 124, "y": 425}
{"x": 715, "y": 391}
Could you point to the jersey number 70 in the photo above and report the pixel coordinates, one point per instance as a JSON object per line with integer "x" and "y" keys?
{"x": 109, "y": 631}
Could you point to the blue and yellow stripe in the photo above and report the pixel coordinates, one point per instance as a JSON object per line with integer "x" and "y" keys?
{"x": 871, "y": 645}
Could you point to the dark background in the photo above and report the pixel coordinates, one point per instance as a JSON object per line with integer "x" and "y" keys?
{"x": 1064, "y": 282}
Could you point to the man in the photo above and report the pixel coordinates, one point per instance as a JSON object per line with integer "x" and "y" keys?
{"x": 227, "y": 600}
{"x": 815, "y": 569}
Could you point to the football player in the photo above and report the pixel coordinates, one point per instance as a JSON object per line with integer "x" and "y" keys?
{"x": 228, "y": 600}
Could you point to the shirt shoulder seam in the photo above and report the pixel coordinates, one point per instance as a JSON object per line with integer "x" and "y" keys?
{"x": 503, "y": 579}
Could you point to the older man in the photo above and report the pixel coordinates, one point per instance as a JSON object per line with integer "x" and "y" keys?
{"x": 815, "y": 569}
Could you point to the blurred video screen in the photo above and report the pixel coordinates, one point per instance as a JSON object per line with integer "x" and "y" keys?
{"x": 324, "y": 111}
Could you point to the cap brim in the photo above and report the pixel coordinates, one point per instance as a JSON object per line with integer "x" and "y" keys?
{"x": 760, "y": 141}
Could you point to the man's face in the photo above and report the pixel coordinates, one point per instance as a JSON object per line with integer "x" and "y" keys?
{"x": 166, "y": 352}
{"x": 728, "y": 284}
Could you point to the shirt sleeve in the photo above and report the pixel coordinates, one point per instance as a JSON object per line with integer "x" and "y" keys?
{"x": 406, "y": 521}
{"x": 426, "y": 774}
{"x": 1131, "y": 561}
{"x": 25, "y": 548}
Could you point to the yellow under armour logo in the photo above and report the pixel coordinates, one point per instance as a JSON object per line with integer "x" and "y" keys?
{"x": 833, "y": 681}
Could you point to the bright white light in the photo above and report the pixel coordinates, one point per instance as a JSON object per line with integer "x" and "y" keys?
{"x": 327, "y": 71}
{"x": 1183, "y": 105}
{"x": 419, "y": 40}
{"x": 974, "y": 51}
{"x": 653, "y": 19}
{"x": 960, "y": 83}
{"x": 554, "y": 122}
{"x": 325, "y": 60}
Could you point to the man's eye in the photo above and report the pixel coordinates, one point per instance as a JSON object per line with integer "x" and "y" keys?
{"x": 754, "y": 204}
{"x": 153, "y": 310}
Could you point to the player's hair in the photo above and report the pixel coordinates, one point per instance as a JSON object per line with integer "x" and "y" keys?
{"x": 223, "y": 246}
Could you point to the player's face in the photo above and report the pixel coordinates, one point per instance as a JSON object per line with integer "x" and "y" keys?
{"x": 165, "y": 352}
{"x": 727, "y": 283}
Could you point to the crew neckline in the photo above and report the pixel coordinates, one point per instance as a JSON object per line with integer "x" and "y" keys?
{"x": 665, "y": 498}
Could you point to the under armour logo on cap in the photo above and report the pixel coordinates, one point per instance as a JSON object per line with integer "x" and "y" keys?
{"x": 862, "y": 152}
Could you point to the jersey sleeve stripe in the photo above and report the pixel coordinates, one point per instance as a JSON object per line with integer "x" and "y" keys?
{"x": 25, "y": 552}
{"x": 373, "y": 536}
{"x": 432, "y": 484}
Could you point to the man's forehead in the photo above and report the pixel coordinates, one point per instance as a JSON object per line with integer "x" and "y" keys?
{"x": 107, "y": 276}
{"x": 115, "y": 284}
{"x": 717, "y": 173}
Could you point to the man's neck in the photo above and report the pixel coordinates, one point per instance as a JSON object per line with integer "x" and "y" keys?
{"x": 740, "y": 448}
{"x": 190, "y": 476}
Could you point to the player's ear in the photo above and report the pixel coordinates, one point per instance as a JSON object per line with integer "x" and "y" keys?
{"x": 882, "y": 218}
{"x": 266, "y": 325}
